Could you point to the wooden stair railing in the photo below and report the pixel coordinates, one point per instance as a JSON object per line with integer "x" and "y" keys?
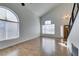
{"x": 73, "y": 16}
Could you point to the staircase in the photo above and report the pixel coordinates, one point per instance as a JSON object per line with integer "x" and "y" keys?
{"x": 73, "y": 34}
{"x": 73, "y": 16}
{"x": 72, "y": 19}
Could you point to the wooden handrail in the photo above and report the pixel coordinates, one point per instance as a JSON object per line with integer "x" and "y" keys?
{"x": 73, "y": 16}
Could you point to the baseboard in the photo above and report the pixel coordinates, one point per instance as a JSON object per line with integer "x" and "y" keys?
{"x": 18, "y": 42}
{"x": 53, "y": 37}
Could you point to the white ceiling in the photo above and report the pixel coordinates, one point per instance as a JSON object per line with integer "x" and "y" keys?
{"x": 41, "y": 8}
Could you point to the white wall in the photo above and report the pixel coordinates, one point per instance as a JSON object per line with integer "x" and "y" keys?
{"x": 74, "y": 35}
{"x": 29, "y": 25}
{"x": 56, "y": 15}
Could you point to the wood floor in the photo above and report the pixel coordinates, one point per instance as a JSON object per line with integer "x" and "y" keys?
{"x": 41, "y": 46}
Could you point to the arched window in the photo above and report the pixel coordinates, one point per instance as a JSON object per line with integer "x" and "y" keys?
{"x": 9, "y": 24}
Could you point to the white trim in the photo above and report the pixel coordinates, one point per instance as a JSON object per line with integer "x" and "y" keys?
{"x": 19, "y": 41}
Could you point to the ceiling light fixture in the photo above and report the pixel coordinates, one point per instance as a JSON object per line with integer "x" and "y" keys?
{"x": 66, "y": 16}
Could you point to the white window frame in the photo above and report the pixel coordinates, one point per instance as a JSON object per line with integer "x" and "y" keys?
{"x": 48, "y": 27}
{"x": 5, "y": 20}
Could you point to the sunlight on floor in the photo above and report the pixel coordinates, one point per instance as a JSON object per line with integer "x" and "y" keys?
{"x": 62, "y": 44}
{"x": 48, "y": 45}
{"x": 13, "y": 53}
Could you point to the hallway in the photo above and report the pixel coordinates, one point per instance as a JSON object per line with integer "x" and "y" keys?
{"x": 40, "y": 46}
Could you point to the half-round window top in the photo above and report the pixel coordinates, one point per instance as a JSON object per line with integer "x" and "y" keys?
{"x": 8, "y": 14}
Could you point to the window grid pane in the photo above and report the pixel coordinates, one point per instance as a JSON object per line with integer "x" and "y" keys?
{"x": 47, "y": 22}
{"x": 2, "y": 31}
{"x": 48, "y": 29}
{"x": 12, "y": 30}
{"x": 2, "y": 13}
{"x": 11, "y": 16}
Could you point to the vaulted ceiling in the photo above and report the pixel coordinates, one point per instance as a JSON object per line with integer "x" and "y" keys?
{"x": 41, "y": 8}
{"x": 37, "y": 8}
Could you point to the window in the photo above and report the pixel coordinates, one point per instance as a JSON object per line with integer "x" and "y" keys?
{"x": 48, "y": 28}
{"x": 9, "y": 24}
{"x": 2, "y": 30}
{"x": 12, "y": 30}
{"x": 48, "y": 22}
